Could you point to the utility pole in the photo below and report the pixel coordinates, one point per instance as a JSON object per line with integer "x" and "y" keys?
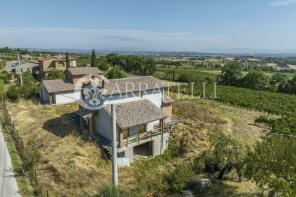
{"x": 20, "y": 70}
{"x": 215, "y": 90}
{"x": 114, "y": 147}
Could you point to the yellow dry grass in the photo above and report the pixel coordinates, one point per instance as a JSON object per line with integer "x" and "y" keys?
{"x": 69, "y": 165}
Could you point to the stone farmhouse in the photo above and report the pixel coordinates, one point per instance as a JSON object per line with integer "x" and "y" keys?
{"x": 143, "y": 112}
{"x": 55, "y": 63}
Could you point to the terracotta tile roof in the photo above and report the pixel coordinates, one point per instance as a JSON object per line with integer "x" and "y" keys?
{"x": 134, "y": 84}
{"x": 134, "y": 113}
{"x": 57, "y": 85}
{"x": 84, "y": 70}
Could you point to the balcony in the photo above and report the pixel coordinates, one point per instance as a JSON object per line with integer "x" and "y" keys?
{"x": 143, "y": 137}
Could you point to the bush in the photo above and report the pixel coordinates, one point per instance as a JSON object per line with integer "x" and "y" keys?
{"x": 177, "y": 178}
{"x": 13, "y": 93}
{"x": 116, "y": 73}
{"x": 264, "y": 119}
{"x": 2, "y": 90}
{"x": 55, "y": 75}
{"x": 5, "y": 76}
{"x": 198, "y": 166}
{"x": 110, "y": 191}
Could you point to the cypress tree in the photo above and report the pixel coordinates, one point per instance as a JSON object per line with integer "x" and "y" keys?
{"x": 67, "y": 60}
{"x": 93, "y": 62}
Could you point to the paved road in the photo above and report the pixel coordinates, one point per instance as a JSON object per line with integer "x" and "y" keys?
{"x": 8, "y": 185}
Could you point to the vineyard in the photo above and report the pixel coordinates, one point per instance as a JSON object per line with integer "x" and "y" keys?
{"x": 271, "y": 102}
{"x": 185, "y": 75}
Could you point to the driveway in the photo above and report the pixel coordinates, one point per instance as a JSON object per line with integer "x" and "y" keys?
{"x": 8, "y": 185}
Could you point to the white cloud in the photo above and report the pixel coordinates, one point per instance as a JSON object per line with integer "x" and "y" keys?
{"x": 105, "y": 39}
{"x": 280, "y": 3}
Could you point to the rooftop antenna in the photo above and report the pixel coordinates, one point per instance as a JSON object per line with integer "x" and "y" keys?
{"x": 19, "y": 69}
{"x": 114, "y": 147}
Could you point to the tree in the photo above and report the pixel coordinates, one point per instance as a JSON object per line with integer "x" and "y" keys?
{"x": 67, "y": 60}
{"x": 292, "y": 83}
{"x": 277, "y": 81}
{"x": 93, "y": 61}
{"x": 225, "y": 153}
{"x": 116, "y": 73}
{"x": 272, "y": 164}
{"x": 103, "y": 65}
{"x": 231, "y": 73}
{"x": 255, "y": 80}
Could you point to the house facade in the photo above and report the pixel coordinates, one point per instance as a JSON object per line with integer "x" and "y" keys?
{"x": 143, "y": 112}
{"x": 54, "y": 64}
{"x": 62, "y": 91}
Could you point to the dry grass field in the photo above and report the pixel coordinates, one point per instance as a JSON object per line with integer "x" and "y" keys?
{"x": 68, "y": 165}
{"x": 71, "y": 165}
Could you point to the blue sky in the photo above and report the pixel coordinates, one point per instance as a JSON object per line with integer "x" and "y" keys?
{"x": 158, "y": 25}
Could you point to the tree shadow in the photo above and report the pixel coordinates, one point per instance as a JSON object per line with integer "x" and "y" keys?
{"x": 63, "y": 125}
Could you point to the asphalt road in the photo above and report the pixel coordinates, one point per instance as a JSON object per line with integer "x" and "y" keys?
{"x": 8, "y": 185}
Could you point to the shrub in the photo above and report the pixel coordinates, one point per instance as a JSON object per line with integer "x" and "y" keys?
{"x": 177, "y": 178}
{"x": 5, "y": 76}
{"x": 55, "y": 75}
{"x": 198, "y": 166}
{"x": 13, "y": 93}
{"x": 2, "y": 90}
{"x": 110, "y": 191}
{"x": 264, "y": 119}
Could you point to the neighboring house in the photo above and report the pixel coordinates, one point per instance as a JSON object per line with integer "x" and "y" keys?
{"x": 54, "y": 64}
{"x": 61, "y": 91}
{"x": 25, "y": 66}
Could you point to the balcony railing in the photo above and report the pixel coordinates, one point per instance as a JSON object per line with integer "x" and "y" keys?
{"x": 143, "y": 137}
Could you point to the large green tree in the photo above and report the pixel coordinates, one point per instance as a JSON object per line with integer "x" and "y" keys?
{"x": 255, "y": 80}
{"x": 272, "y": 164}
{"x": 225, "y": 153}
{"x": 93, "y": 61}
{"x": 231, "y": 73}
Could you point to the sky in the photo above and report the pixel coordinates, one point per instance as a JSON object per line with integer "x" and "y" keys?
{"x": 151, "y": 25}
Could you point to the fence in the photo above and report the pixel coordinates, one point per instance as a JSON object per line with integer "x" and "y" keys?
{"x": 29, "y": 158}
